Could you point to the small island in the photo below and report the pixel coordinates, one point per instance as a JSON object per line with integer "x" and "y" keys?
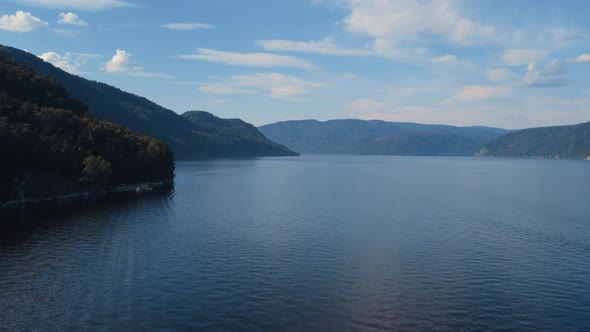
{"x": 52, "y": 148}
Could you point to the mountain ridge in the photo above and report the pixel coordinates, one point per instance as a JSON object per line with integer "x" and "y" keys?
{"x": 553, "y": 142}
{"x": 354, "y": 136}
{"x": 248, "y": 139}
{"x": 142, "y": 115}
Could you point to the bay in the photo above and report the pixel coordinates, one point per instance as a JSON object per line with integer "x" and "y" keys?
{"x": 316, "y": 243}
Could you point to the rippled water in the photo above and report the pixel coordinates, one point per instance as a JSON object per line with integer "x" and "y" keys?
{"x": 317, "y": 243}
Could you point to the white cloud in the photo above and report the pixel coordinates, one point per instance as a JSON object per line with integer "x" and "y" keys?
{"x": 85, "y": 5}
{"x": 69, "y": 62}
{"x": 274, "y": 85}
{"x": 587, "y": 92}
{"x": 392, "y": 23}
{"x": 477, "y": 92}
{"x": 122, "y": 61}
{"x": 583, "y": 58}
{"x": 248, "y": 59}
{"x": 21, "y": 22}
{"x": 522, "y": 56}
{"x": 444, "y": 58}
{"x": 187, "y": 26}
{"x": 552, "y": 75}
{"x": 325, "y": 46}
{"x": 501, "y": 75}
{"x": 71, "y": 18}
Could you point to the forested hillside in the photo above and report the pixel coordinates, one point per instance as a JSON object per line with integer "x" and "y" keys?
{"x": 377, "y": 137}
{"x": 144, "y": 116}
{"x": 51, "y": 145}
{"x": 240, "y": 137}
{"x": 561, "y": 142}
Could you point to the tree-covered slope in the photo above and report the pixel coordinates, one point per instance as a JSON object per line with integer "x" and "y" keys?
{"x": 379, "y": 137}
{"x": 51, "y": 145}
{"x": 239, "y": 136}
{"x": 140, "y": 114}
{"x": 562, "y": 142}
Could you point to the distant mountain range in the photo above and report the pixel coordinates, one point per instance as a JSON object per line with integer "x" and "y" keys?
{"x": 380, "y": 137}
{"x": 197, "y": 137}
{"x": 198, "y": 134}
{"x": 561, "y": 142}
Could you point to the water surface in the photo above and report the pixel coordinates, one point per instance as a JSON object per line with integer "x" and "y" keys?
{"x": 317, "y": 243}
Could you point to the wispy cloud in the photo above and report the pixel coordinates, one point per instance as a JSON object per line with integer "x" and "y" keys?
{"x": 187, "y": 26}
{"x": 501, "y": 75}
{"x": 478, "y": 92}
{"x": 325, "y": 46}
{"x": 273, "y": 85}
{"x": 393, "y": 23}
{"x": 553, "y": 74}
{"x": 582, "y": 58}
{"x": 147, "y": 74}
{"x": 21, "y": 22}
{"x": 367, "y": 105}
{"x": 444, "y": 58}
{"x": 573, "y": 37}
{"x": 522, "y": 56}
{"x": 84, "y": 5}
{"x": 248, "y": 59}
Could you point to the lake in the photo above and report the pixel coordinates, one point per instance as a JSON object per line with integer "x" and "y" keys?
{"x": 316, "y": 243}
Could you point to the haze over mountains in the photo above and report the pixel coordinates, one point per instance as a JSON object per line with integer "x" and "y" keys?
{"x": 188, "y": 139}
{"x": 380, "y": 137}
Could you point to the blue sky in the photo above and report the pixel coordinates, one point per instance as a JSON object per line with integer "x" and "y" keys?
{"x": 504, "y": 63}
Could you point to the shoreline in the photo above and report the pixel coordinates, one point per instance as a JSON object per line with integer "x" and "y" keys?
{"x": 137, "y": 188}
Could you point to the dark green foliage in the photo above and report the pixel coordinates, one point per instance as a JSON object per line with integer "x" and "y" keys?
{"x": 562, "y": 142}
{"x": 44, "y": 131}
{"x": 236, "y": 137}
{"x": 96, "y": 170}
{"x": 379, "y": 137}
{"x": 186, "y": 139}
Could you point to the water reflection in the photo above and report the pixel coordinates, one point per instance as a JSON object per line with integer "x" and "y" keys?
{"x": 316, "y": 243}
{"x": 19, "y": 221}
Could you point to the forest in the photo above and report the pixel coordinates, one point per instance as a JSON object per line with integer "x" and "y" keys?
{"x": 51, "y": 144}
{"x": 557, "y": 142}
